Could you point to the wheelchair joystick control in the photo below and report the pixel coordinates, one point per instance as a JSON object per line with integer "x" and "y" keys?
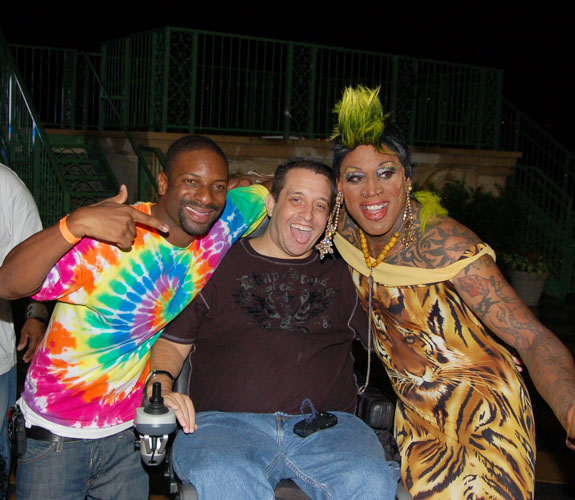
{"x": 154, "y": 423}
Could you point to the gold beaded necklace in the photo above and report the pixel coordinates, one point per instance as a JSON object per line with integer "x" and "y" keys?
{"x": 365, "y": 250}
{"x": 371, "y": 266}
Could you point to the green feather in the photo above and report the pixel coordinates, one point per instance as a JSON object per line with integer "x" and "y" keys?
{"x": 430, "y": 207}
{"x": 360, "y": 118}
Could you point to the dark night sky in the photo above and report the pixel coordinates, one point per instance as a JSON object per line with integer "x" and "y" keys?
{"x": 534, "y": 46}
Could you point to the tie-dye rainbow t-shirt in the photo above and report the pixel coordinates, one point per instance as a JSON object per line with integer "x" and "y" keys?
{"x": 112, "y": 305}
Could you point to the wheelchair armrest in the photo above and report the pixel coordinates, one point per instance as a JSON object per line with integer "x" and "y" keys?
{"x": 183, "y": 379}
{"x": 375, "y": 409}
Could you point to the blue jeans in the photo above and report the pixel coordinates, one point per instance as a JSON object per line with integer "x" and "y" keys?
{"x": 108, "y": 468}
{"x": 7, "y": 399}
{"x": 244, "y": 455}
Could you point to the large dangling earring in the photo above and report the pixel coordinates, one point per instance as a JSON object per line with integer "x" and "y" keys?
{"x": 325, "y": 246}
{"x": 408, "y": 225}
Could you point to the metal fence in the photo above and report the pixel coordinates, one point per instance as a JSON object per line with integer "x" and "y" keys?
{"x": 180, "y": 80}
{"x": 24, "y": 146}
{"x": 26, "y": 149}
{"x": 61, "y": 86}
{"x": 186, "y": 80}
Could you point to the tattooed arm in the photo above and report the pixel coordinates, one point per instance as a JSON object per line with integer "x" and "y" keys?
{"x": 550, "y": 364}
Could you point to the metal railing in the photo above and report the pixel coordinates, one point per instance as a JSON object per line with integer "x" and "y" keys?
{"x": 189, "y": 80}
{"x": 63, "y": 89}
{"x": 546, "y": 176}
{"x": 539, "y": 148}
{"x": 146, "y": 178}
{"x": 24, "y": 145}
{"x": 181, "y": 80}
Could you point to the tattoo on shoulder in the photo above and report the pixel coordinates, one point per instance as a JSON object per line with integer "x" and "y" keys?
{"x": 441, "y": 245}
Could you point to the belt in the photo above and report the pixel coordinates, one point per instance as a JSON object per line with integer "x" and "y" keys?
{"x": 41, "y": 434}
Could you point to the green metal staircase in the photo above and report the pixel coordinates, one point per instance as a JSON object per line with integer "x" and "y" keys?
{"x": 24, "y": 145}
{"x": 84, "y": 168}
{"x": 62, "y": 171}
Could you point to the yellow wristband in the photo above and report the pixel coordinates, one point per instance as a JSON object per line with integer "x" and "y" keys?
{"x": 65, "y": 232}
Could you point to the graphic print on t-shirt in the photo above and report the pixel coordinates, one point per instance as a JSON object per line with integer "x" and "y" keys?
{"x": 287, "y": 301}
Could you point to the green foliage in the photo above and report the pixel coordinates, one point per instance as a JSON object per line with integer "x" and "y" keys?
{"x": 527, "y": 263}
{"x": 497, "y": 220}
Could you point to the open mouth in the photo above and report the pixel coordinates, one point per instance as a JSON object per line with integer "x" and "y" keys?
{"x": 374, "y": 211}
{"x": 301, "y": 233}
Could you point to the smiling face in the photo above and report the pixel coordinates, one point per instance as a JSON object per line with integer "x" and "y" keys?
{"x": 298, "y": 216}
{"x": 374, "y": 188}
{"x": 192, "y": 194}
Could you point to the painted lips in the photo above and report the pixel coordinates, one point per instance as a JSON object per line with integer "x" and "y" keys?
{"x": 374, "y": 211}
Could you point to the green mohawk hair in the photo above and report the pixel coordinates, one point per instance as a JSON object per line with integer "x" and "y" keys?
{"x": 360, "y": 118}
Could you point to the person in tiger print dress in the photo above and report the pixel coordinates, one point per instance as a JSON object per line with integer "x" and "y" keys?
{"x": 464, "y": 423}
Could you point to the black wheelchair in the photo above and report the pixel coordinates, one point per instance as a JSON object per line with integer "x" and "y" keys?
{"x": 373, "y": 407}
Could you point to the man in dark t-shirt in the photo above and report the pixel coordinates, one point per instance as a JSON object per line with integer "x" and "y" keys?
{"x": 274, "y": 328}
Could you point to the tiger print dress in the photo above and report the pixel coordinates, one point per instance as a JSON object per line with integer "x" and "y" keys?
{"x": 463, "y": 423}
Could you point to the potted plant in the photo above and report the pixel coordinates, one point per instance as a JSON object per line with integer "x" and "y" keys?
{"x": 528, "y": 274}
{"x": 501, "y": 221}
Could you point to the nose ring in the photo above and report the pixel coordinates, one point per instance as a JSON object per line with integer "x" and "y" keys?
{"x": 378, "y": 191}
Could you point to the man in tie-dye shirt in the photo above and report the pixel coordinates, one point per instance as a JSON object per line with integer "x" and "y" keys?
{"x": 120, "y": 274}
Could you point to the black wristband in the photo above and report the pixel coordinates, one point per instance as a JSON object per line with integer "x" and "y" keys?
{"x": 161, "y": 372}
{"x": 37, "y": 310}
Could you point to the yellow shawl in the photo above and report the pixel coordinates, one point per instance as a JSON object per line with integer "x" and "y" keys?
{"x": 391, "y": 275}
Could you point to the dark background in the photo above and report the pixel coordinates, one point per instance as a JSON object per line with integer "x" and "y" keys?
{"x": 533, "y": 45}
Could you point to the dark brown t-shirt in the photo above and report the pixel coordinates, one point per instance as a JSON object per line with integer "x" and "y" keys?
{"x": 269, "y": 333}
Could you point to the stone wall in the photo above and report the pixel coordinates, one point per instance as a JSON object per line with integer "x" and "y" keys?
{"x": 433, "y": 166}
